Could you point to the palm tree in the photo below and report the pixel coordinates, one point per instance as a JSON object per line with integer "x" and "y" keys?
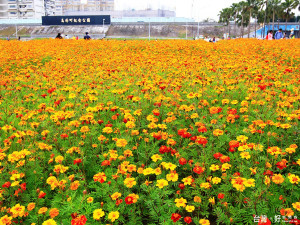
{"x": 288, "y": 6}
{"x": 225, "y": 16}
{"x": 250, "y": 4}
{"x": 275, "y": 5}
{"x": 235, "y": 10}
{"x": 265, "y": 18}
{"x": 257, "y": 12}
{"x": 242, "y": 6}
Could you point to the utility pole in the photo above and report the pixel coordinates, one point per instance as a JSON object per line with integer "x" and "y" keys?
{"x": 265, "y": 19}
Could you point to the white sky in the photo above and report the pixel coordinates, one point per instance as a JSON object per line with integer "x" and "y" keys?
{"x": 197, "y": 9}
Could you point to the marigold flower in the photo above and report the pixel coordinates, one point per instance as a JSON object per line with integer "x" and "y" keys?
{"x": 100, "y": 177}
{"x": 161, "y": 183}
{"x": 296, "y": 206}
{"x": 18, "y": 210}
{"x": 49, "y": 222}
{"x": 30, "y": 206}
{"x": 114, "y": 215}
{"x": 180, "y": 202}
{"x": 204, "y": 222}
{"x": 98, "y": 213}
{"x": 43, "y": 210}
{"x": 277, "y": 178}
{"x": 53, "y": 212}
{"x": 190, "y": 208}
{"x": 129, "y": 182}
{"x": 175, "y": 217}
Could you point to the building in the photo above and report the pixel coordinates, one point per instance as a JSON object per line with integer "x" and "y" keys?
{"x": 77, "y": 7}
{"x": 21, "y": 9}
{"x": 127, "y": 13}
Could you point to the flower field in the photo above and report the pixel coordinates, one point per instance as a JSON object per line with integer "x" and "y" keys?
{"x": 138, "y": 132}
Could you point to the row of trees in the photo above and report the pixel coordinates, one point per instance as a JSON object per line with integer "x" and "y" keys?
{"x": 261, "y": 11}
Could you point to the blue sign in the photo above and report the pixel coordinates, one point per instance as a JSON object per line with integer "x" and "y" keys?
{"x": 75, "y": 20}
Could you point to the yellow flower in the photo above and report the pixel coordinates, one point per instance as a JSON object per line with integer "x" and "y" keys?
{"x": 98, "y": 213}
{"x": 245, "y": 155}
{"x": 216, "y": 180}
{"x": 18, "y": 210}
{"x": 114, "y": 215}
{"x": 190, "y": 208}
{"x": 90, "y": 199}
{"x": 294, "y": 179}
{"x": 115, "y": 195}
{"x": 204, "y": 222}
{"x": 212, "y": 200}
{"x": 43, "y": 210}
{"x": 121, "y": 143}
{"x": 172, "y": 177}
{"x": 156, "y": 157}
{"x": 267, "y": 180}
{"x": 197, "y": 199}
{"x": 249, "y": 183}
{"x": 49, "y": 222}
{"x": 147, "y": 171}
{"x": 296, "y": 206}
{"x": 214, "y": 167}
{"x": 277, "y": 178}
{"x": 129, "y": 182}
{"x": 218, "y": 132}
{"x": 161, "y": 183}
{"x": 107, "y": 130}
{"x": 205, "y": 185}
{"x": 242, "y": 138}
{"x": 187, "y": 180}
{"x": 84, "y": 129}
{"x": 180, "y": 202}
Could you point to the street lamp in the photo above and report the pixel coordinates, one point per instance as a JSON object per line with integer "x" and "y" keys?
{"x": 103, "y": 24}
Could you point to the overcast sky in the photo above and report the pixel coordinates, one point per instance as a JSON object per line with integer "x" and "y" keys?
{"x": 197, "y": 9}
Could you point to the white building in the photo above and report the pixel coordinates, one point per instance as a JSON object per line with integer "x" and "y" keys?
{"x": 21, "y": 9}
{"x": 77, "y": 7}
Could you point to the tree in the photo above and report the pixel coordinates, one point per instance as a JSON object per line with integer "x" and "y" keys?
{"x": 288, "y": 6}
{"x": 235, "y": 10}
{"x": 276, "y": 10}
{"x": 242, "y": 8}
{"x": 225, "y": 16}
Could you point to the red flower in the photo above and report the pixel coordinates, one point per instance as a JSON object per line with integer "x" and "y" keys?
{"x": 42, "y": 195}
{"x": 182, "y": 161}
{"x": 224, "y": 159}
{"x": 119, "y": 201}
{"x": 77, "y": 161}
{"x": 218, "y": 155}
{"x": 188, "y": 219}
{"x": 64, "y": 136}
{"x": 198, "y": 169}
{"x": 175, "y": 217}
{"x": 129, "y": 200}
{"x": 281, "y": 164}
{"x": 181, "y": 186}
{"x": 221, "y": 196}
{"x": 6, "y": 184}
{"x": 80, "y": 220}
{"x": 202, "y": 129}
{"x": 105, "y": 163}
{"x": 23, "y": 186}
